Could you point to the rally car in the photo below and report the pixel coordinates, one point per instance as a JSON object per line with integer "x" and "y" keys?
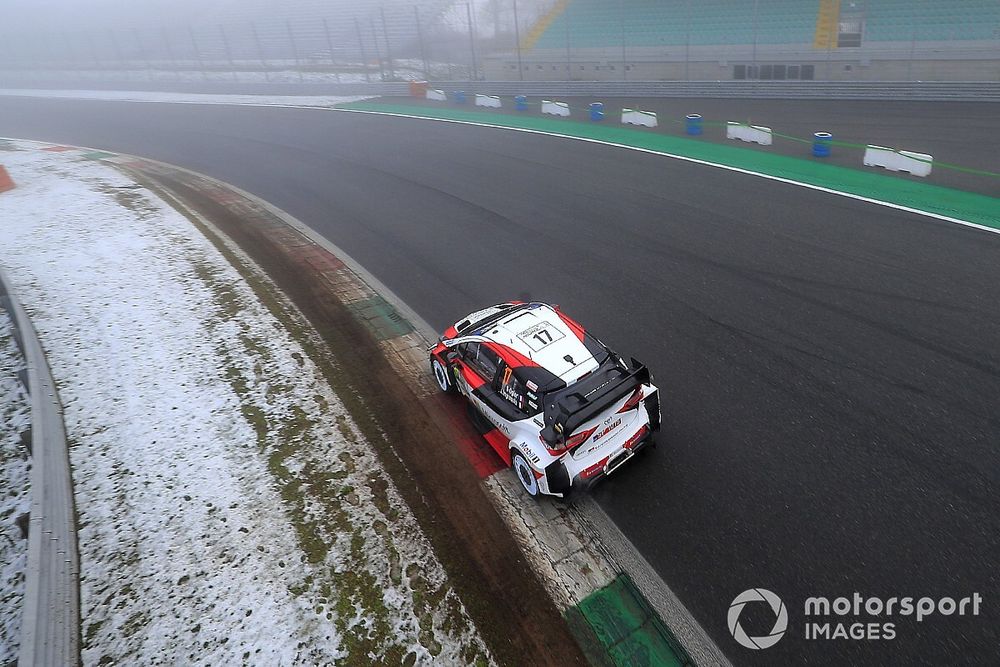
{"x": 557, "y": 404}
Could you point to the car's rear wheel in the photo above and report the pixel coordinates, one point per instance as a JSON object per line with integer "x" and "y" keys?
{"x": 441, "y": 376}
{"x": 525, "y": 474}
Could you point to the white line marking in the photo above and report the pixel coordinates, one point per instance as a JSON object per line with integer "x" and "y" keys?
{"x": 706, "y": 163}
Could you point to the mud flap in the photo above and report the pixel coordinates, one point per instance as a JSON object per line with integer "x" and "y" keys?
{"x": 557, "y": 477}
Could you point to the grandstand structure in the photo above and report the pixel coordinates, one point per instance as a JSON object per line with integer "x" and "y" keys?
{"x": 714, "y": 40}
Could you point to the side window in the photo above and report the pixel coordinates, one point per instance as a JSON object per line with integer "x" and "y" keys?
{"x": 482, "y": 360}
{"x": 488, "y": 363}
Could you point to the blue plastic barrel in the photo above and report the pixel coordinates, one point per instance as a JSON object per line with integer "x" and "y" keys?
{"x": 597, "y": 111}
{"x": 459, "y": 96}
{"x": 521, "y": 103}
{"x": 821, "y": 144}
{"x": 692, "y": 124}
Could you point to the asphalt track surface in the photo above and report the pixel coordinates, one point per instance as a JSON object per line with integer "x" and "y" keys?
{"x": 830, "y": 369}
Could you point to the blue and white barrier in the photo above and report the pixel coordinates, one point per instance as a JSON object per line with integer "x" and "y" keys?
{"x": 555, "y": 108}
{"x": 521, "y": 102}
{"x": 490, "y": 101}
{"x": 636, "y": 117}
{"x": 754, "y": 134}
{"x": 436, "y": 95}
{"x": 918, "y": 164}
{"x": 597, "y": 111}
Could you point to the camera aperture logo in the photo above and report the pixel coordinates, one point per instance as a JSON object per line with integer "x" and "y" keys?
{"x": 853, "y": 618}
{"x": 780, "y": 618}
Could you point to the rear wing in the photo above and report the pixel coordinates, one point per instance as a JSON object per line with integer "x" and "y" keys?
{"x": 568, "y": 409}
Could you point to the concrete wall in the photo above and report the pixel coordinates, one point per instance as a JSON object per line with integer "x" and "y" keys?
{"x": 834, "y": 69}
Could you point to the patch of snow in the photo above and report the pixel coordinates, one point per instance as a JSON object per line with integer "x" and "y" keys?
{"x": 229, "y": 510}
{"x": 15, "y": 499}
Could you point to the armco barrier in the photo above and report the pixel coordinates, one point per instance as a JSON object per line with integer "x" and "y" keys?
{"x": 918, "y": 164}
{"x": 50, "y": 616}
{"x": 755, "y": 134}
{"x": 636, "y": 117}
{"x": 555, "y": 108}
{"x": 490, "y": 101}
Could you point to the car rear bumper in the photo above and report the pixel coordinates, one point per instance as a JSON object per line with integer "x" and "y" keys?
{"x": 584, "y": 484}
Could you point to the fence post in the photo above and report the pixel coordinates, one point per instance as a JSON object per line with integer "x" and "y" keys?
{"x": 170, "y": 52}
{"x": 361, "y": 43}
{"x": 621, "y": 18}
{"x": 420, "y": 40}
{"x": 687, "y": 45}
{"x": 378, "y": 52}
{"x": 329, "y": 45}
{"x": 517, "y": 43}
{"x": 260, "y": 51}
{"x": 388, "y": 49}
{"x": 295, "y": 48}
{"x": 197, "y": 53}
{"x": 143, "y": 54}
{"x": 474, "y": 73}
{"x": 569, "y": 57}
{"x": 229, "y": 54}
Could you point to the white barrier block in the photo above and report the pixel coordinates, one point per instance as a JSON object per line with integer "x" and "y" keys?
{"x": 487, "y": 101}
{"x": 636, "y": 117}
{"x": 754, "y": 134}
{"x": 918, "y": 164}
{"x": 555, "y": 108}
{"x": 436, "y": 95}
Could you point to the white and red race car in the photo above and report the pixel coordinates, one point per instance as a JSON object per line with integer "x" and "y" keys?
{"x": 556, "y": 404}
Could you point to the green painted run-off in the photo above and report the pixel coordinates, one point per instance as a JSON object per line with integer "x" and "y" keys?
{"x": 380, "y": 317}
{"x": 616, "y": 627}
{"x": 967, "y": 206}
{"x": 97, "y": 155}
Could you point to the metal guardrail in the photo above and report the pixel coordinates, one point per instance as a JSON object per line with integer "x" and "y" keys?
{"x": 50, "y": 617}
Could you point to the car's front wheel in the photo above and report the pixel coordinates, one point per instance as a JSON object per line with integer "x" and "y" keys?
{"x": 524, "y": 473}
{"x": 441, "y": 376}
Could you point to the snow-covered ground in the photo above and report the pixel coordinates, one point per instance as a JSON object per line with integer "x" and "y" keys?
{"x": 229, "y": 510}
{"x": 185, "y": 98}
{"x": 15, "y": 498}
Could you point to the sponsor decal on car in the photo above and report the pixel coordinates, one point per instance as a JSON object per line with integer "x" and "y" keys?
{"x": 607, "y": 429}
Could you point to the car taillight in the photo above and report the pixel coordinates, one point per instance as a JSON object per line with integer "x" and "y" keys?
{"x": 633, "y": 401}
{"x": 631, "y": 442}
{"x": 580, "y": 438}
{"x": 594, "y": 470}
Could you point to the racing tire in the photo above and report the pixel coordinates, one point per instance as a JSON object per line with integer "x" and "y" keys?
{"x": 442, "y": 378}
{"x": 524, "y": 473}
